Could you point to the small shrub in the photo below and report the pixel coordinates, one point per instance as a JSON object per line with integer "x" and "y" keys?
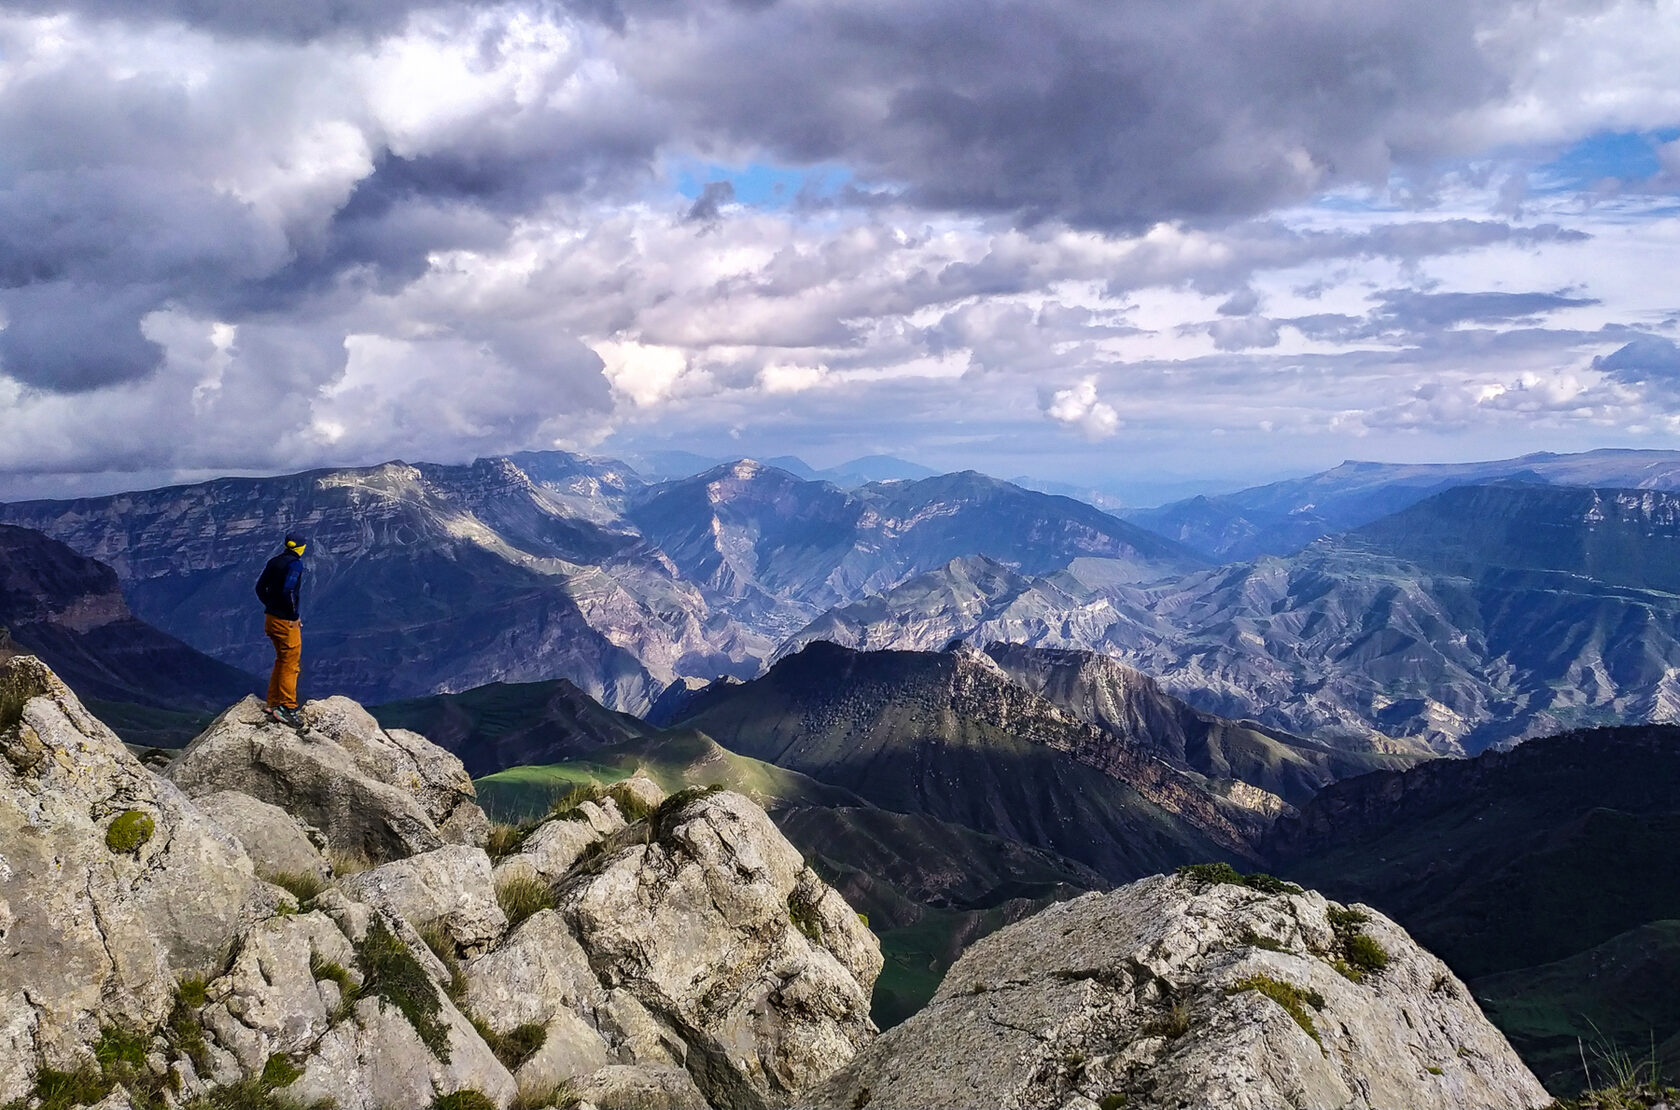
{"x": 563, "y": 1096}
{"x": 391, "y": 973}
{"x": 279, "y": 1072}
{"x": 1344, "y": 919}
{"x": 1213, "y": 874}
{"x": 467, "y": 1099}
{"x": 1293, "y": 999}
{"x": 1114, "y": 1100}
{"x": 806, "y": 919}
{"x": 1433, "y": 1070}
{"x": 1363, "y": 952}
{"x": 129, "y": 832}
{"x": 663, "y": 818}
{"x": 121, "y": 1050}
{"x": 61, "y": 1090}
{"x": 1356, "y": 954}
{"x": 522, "y": 895}
{"x": 302, "y": 885}
{"x": 346, "y": 862}
{"x": 515, "y": 1046}
{"x": 192, "y": 991}
{"x": 568, "y": 806}
{"x": 1257, "y": 940}
{"x": 629, "y": 804}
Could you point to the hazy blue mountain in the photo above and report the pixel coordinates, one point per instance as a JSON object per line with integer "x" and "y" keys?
{"x": 1281, "y": 517}
{"x": 1478, "y": 617}
{"x": 1527, "y": 871}
{"x": 875, "y": 468}
{"x": 69, "y": 610}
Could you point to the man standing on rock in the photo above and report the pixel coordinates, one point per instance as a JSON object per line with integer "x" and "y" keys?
{"x": 277, "y": 589}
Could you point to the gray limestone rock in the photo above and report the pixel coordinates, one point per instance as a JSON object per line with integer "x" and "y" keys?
{"x": 111, "y": 882}
{"x": 1172, "y": 994}
{"x": 450, "y": 886}
{"x": 639, "y": 1087}
{"x": 383, "y": 795}
{"x": 712, "y": 921}
{"x": 277, "y": 844}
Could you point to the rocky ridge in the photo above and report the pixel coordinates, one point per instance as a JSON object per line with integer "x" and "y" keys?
{"x": 175, "y": 941}
{"x": 1177, "y": 991}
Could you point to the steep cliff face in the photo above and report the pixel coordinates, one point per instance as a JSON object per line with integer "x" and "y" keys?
{"x": 1130, "y": 704}
{"x": 160, "y": 950}
{"x": 1172, "y": 993}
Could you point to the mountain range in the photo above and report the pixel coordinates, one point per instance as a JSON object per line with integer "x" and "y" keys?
{"x": 1282, "y": 517}
{"x": 429, "y": 578}
{"x": 1480, "y": 616}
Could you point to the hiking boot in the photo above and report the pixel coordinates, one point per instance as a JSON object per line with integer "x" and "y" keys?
{"x": 286, "y": 715}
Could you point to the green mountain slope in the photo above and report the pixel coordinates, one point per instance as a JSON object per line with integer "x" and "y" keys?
{"x": 951, "y": 736}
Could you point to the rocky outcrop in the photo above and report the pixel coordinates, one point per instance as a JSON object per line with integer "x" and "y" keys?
{"x": 382, "y": 794}
{"x": 112, "y": 884}
{"x": 664, "y": 953}
{"x": 1172, "y": 992}
{"x": 715, "y": 924}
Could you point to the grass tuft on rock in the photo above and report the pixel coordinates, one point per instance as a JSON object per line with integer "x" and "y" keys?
{"x": 522, "y": 895}
{"x": 506, "y": 840}
{"x": 391, "y": 973}
{"x": 129, "y": 831}
{"x": 466, "y": 1099}
{"x": 442, "y": 944}
{"x": 302, "y": 885}
{"x": 806, "y": 919}
{"x": 1293, "y": 999}
{"x": 515, "y": 1046}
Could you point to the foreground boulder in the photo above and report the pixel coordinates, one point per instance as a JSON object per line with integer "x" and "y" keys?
{"x": 112, "y": 883}
{"x": 1178, "y": 992}
{"x": 376, "y": 793}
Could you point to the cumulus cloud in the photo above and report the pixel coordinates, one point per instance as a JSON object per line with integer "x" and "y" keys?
{"x": 262, "y": 236}
{"x": 1650, "y": 357}
{"x": 1078, "y": 407}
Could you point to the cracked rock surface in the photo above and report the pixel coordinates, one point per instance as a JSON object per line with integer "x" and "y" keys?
{"x": 380, "y": 794}
{"x": 93, "y": 934}
{"x": 1172, "y": 993}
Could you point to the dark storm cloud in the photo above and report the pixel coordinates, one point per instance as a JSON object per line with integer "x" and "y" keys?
{"x": 1105, "y": 115}
{"x": 1650, "y": 357}
{"x": 291, "y": 20}
{"x": 1411, "y": 310}
{"x": 711, "y": 200}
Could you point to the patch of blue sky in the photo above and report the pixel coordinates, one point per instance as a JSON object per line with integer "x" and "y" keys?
{"x": 761, "y": 184}
{"x": 1612, "y": 155}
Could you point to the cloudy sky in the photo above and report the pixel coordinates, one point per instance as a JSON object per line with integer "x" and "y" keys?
{"x": 1125, "y": 243}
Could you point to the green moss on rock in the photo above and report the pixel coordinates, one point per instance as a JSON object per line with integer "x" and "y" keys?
{"x": 129, "y": 831}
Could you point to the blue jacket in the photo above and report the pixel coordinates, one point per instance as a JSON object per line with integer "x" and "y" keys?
{"x": 279, "y": 584}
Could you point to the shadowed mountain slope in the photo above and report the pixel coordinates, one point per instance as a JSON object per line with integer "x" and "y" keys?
{"x": 1511, "y": 862}
{"x": 68, "y": 610}
{"x": 951, "y": 736}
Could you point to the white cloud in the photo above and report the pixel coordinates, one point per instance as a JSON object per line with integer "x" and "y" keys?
{"x": 1078, "y": 407}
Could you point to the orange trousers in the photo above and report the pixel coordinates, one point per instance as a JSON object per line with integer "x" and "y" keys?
{"x": 287, "y": 637}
